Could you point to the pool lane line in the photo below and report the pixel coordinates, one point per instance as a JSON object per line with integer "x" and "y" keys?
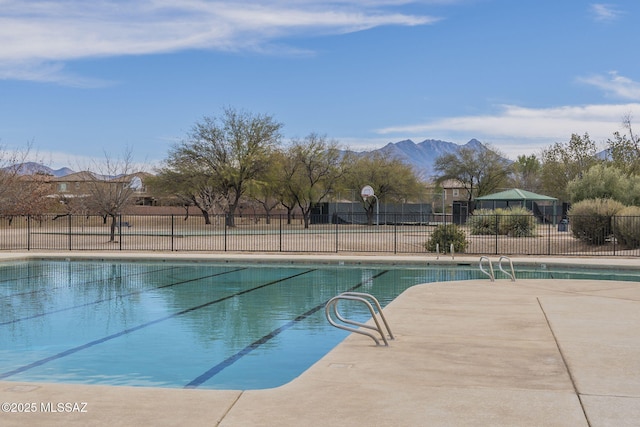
{"x": 60, "y": 310}
{"x": 136, "y": 328}
{"x": 206, "y": 376}
{"x": 36, "y": 291}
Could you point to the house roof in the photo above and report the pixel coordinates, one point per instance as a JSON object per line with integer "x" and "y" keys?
{"x": 452, "y": 183}
{"x": 77, "y": 176}
{"x": 91, "y": 176}
{"x": 516, "y": 194}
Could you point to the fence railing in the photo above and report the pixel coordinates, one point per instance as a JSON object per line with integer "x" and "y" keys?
{"x": 397, "y": 234}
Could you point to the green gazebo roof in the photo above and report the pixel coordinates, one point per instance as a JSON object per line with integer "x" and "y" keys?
{"x": 516, "y": 194}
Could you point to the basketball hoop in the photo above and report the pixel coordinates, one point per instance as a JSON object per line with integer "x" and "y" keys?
{"x": 366, "y": 192}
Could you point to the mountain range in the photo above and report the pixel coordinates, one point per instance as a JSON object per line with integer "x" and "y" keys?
{"x": 420, "y": 156}
{"x": 31, "y": 168}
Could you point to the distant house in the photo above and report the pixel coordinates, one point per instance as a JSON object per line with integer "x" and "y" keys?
{"x": 454, "y": 191}
{"x": 137, "y": 182}
{"x": 451, "y": 198}
{"x": 72, "y": 185}
{"x": 78, "y": 186}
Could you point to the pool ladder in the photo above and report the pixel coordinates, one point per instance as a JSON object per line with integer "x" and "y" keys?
{"x": 511, "y": 274}
{"x": 331, "y": 309}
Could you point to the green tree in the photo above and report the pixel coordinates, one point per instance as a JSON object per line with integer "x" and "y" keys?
{"x": 188, "y": 185}
{"x": 314, "y": 167}
{"x": 526, "y": 173}
{"x": 605, "y": 182}
{"x": 230, "y": 151}
{"x": 391, "y": 179}
{"x": 284, "y": 178}
{"x": 266, "y": 188}
{"x": 624, "y": 149}
{"x": 562, "y": 163}
{"x": 481, "y": 171}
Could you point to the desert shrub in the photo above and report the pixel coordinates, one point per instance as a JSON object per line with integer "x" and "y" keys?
{"x": 483, "y": 222}
{"x": 605, "y": 182}
{"x": 591, "y": 220}
{"x": 626, "y": 227}
{"x": 517, "y": 222}
{"x": 514, "y": 222}
{"x": 444, "y": 236}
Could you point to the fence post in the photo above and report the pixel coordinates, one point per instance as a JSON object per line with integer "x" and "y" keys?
{"x": 395, "y": 232}
{"x": 548, "y": 239}
{"x": 613, "y": 233}
{"x": 120, "y": 231}
{"x": 335, "y": 216}
{"x": 225, "y": 231}
{"x": 280, "y": 233}
{"x": 172, "y": 232}
{"x": 69, "y": 229}
{"x": 496, "y": 224}
{"x": 28, "y": 232}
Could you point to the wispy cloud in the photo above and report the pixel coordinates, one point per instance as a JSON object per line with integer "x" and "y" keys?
{"x": 47, "y": 72}
{"x": 615, "y": 85}
{"x": 519, "y": 129}
{"x": 604, "y": 12}
{"x": 36, "y": 34}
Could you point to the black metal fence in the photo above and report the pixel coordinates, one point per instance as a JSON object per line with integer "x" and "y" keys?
{"x": 397, "y": 234}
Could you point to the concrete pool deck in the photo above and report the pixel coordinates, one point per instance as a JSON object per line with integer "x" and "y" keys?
{"x": 466, "y": 353}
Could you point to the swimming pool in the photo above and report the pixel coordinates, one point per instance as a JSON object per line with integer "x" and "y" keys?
{"x": 192, "y": 325}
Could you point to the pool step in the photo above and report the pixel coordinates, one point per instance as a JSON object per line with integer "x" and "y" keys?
{"x": 367, "y": 299}
{"x": 511, "y": 274}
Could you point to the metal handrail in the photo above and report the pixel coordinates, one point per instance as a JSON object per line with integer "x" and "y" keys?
{"x": 512, "y": 274}
{"x": 377, "y": 304}
{"x": 490, "y": 271}
{"x": 451, "y": 250}
{"x": 364, "y": 298}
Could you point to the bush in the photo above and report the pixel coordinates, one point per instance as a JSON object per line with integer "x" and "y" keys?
{"x": 445, "y": 235}
{"x": 483, "y": 222}
{"x": 517, "y": 222}
{"x": 514, "y": 222}
{"x": 591, "y": 220}
{"x": 626, "y": 227}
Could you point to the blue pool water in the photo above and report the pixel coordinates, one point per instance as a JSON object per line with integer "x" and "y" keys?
{"x": 193, "y": 325}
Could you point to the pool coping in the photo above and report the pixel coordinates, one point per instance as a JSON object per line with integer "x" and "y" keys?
{"x": 548, "y": 371}
{"x": 599, "y": 262}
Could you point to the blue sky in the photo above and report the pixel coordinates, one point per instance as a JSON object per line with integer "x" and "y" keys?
{"x": 79, "y": 79}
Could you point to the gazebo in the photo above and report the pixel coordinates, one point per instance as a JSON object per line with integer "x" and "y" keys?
{"x": 537, "y": 203}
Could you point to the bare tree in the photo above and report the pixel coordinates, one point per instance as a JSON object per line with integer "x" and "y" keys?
{"x": 29, "y": 195}
{"x": 12, "y": 163}
{"x": 110, "y": 187}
